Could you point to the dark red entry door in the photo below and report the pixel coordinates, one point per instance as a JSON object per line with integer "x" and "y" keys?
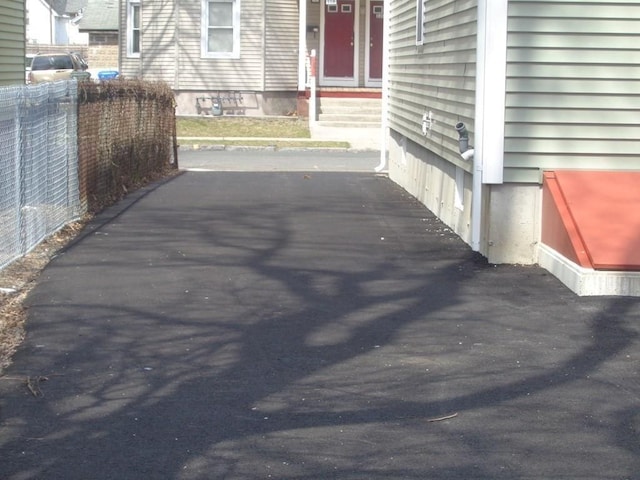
{"x": 376, "y": 26}
{"x": 339, "y": 21}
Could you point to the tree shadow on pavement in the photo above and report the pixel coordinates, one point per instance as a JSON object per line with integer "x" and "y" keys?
{"x": 312, "y": 326}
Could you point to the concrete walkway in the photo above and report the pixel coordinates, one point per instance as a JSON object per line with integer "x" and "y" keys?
{"x": 310, "y": 325}
{"x": 358, "y": 138}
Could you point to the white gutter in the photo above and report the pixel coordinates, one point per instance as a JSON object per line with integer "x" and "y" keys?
{"x": 491, "y": 65}
{"x": 302, "y": 45}
{"x": 384, "y": 142}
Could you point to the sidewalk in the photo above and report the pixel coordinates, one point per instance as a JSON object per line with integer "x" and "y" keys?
{"x": 311, "y": 325}
{"x": 359, "y": 139}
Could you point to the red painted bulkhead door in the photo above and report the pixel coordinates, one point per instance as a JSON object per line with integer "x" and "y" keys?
{"x": 339, "y": 39}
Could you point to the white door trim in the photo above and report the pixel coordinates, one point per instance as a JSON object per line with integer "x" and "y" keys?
{"x": 340, "y": 81}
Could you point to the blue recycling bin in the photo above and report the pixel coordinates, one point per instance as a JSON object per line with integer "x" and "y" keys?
{"x": 108, "y": 74}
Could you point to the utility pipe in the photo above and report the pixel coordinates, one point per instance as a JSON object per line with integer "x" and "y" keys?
{"x": 476, "y": 194}
{"x": 491, "y": 64}
{"x": 384, "y": 141}
{"x": 302, "y": 45}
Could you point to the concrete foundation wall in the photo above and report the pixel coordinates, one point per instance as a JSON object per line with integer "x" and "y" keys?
{"x": 251, "y": 104}
{"x": 513, "y": 223}
{"x": 510, "y": 213}
{"x": 441, "y": 186}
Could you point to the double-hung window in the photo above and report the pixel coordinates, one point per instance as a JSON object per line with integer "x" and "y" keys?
{"x": 221, "y": 28}
{"x": 421, "y": 18}
{"x": 133, "y": 28}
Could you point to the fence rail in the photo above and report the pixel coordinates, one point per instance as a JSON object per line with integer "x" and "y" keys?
{"x": 68, "y": 148}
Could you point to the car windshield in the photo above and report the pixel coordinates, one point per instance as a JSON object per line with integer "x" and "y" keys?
{"x": 52, "y": 63}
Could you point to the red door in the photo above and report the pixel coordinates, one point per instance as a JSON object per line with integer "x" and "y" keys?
{"x": 376, "y": 21}
{"x": 339, "y": 21}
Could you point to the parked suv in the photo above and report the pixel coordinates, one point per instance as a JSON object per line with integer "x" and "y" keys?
{"x": 48, "y": 67}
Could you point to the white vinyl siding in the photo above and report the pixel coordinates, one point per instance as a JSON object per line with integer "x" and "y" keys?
{"x": 437, "y": 77}
{"x": 213, "y": 74}
{"x": 158, "y": 41}
{"x": 171, "y": 49}
{"x": 12, "y": 42}
{"x": 573, "y": 86}
{"x": 281, "y": 45}
{"x": 220, "y": 28}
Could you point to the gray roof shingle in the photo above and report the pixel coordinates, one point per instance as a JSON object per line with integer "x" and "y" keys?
{"x": 70, "y": 7}
{"x": 100, "y": 15}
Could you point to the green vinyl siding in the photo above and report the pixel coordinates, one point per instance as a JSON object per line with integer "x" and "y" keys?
{"x": 12, "y": 42}
{"x": 437, "y": 76}
{"x": 573, "y": 87}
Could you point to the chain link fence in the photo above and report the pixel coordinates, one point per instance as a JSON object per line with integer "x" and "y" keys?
{"x": 126, "y": 138}
{"x": 38, "y": 164}
{"x": 69, "y": 148}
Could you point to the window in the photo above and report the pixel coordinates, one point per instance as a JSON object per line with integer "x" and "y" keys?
{"x": 221, "y": 28}
{"x": 420, "y": 20}
{"x": 133, "y": 28}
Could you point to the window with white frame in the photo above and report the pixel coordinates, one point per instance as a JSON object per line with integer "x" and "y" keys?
{"x": 221, "y": 28}
{"x": 133, "y": 28}
{"x": 421, "y": 7}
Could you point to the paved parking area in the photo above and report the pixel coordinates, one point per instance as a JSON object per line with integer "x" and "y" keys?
{"x": 311, "y": 324}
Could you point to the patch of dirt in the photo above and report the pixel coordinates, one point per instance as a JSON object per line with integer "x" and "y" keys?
{"x": 18, "y": 279}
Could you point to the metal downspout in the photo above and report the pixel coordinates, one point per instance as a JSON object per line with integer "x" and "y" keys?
{"x": 384, "y": 141}
{"x": 488, "y": 158}
{"x": 302, "y": 44}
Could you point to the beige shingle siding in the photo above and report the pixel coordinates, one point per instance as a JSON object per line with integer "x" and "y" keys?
{"x": 438, "y": 76}
{"x": 573, "y": 86}
{"x": 158, "y": 41}
{"x": 12, "y": 42}
{"x": 281, "y": 45}
{"x": 129, "y": 67}
{"x": 171, "y": 47}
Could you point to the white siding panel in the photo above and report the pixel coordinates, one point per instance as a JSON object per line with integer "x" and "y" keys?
{"x": 281, "y": 45}
{"x": 573, "y": 86}
{"x": 213, "y": 74}
{"x": 158, "y": 57}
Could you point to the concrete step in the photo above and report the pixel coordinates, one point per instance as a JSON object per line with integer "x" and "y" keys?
{"x": 354, "y": 118}
{"x": 348, "y": 124}
{"x": 348, "y": 100}
{"x": 359, "y": 102}
{"x": 349, "y": 109}
{"x": 350, "y": 112}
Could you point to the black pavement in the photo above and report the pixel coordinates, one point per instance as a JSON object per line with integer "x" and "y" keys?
{"x": 310, "y": 325}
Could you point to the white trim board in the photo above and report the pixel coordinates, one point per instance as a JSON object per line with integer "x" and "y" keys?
{"x": 586, "y": 281}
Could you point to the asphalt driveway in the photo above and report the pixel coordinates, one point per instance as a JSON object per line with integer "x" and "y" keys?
{"x": 310, "y": 323}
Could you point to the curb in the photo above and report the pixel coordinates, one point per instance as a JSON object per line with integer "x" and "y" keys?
{"x": 270, "y": 148}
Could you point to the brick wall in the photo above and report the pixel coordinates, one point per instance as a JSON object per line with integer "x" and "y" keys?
{"x": 99, "y": 56}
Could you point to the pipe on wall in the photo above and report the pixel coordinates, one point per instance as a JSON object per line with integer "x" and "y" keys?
{"x": 385, "y": 88}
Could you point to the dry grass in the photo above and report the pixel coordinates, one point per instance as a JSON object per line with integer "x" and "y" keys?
{"x": 228, "y": 126}
{"x": 17, "y": 280}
